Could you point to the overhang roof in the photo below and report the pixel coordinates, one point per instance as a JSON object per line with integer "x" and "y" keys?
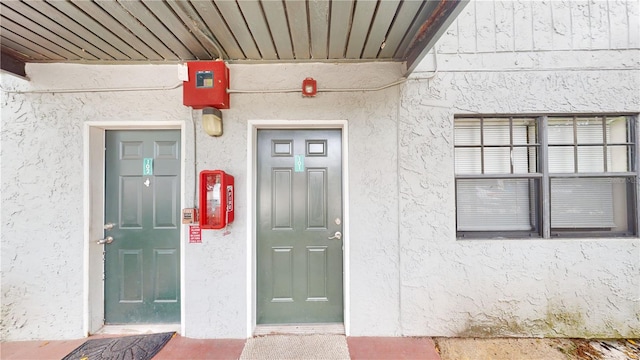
{"x": 117, "y": 31}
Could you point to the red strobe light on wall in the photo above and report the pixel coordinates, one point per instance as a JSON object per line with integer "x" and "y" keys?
{"x": 309, "y": 87}
{"x": 207, "y": 85}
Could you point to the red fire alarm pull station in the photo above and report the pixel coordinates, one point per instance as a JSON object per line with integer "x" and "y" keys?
{"x": 207, "y": 85}
{"x": 216, "y": 199}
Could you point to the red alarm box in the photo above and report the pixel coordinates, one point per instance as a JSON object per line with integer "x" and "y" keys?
{"x": 207, "y": 85}
{"x": 216, "y": 199}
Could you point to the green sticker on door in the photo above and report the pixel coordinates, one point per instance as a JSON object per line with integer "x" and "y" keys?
{"x": 299, "y": 163}
{"x": 147, "y": 166}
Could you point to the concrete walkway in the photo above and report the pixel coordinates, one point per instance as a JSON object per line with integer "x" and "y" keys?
{"x": 374, "y": 348}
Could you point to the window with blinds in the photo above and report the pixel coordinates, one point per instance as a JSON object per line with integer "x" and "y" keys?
{"x": 581, "y": 168}
{"x": 485, "y": 148}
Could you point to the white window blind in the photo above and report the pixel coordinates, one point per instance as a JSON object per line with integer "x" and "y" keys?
{"x": 497, "y": 160}
{"x": 579, "y": 202}
{"x": 494, "y": 205}
{"x": 590, "y": 158}
{"x": 582, "y": 203}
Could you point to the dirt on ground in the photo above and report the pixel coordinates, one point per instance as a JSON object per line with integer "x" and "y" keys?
{"x": 537, "y": 349}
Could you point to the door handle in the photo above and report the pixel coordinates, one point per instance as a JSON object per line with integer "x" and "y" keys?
{"x": 107, "y": 240}
{"x": 337, "y": 235}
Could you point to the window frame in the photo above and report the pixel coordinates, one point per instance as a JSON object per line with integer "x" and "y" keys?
{"x": 544, "y": 177}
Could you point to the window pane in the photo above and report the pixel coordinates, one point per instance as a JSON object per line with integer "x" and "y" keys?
{"x": 467, "y": 161}
{"x": 618, "y": 158}
{"x": 589, "y": 130}
{"x": 618, "y": 130}
{"x": 590, "y": 159}
{"x": 497, "y": 133}
{"x": 590, "y": 204}
{"x": 524, "y": 131}
{"x": 500, "y": 148}
{"x": 560, "y": 130}
{"x": 496, "y": 204}
{"x": 524, "y": 160}
{"x": 497, "y": 161}
{"x": 561, "y": 159}
{"x": 467, "y": 132}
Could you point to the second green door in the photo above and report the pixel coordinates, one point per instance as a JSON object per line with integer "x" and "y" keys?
{"x": 299, "y": 231}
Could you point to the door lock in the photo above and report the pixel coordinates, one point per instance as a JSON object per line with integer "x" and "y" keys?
{"x": 109, "y": 226}
{"x": 107, "y": 240}
{"x": 337, "y": 235}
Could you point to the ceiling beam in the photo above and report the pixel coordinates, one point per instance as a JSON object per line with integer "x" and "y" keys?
{"x": 431, "y": 30}
{"x": 12, "y": 64}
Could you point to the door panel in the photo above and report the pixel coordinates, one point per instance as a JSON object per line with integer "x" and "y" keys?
{"x": 142, "y": 264}
{"x": 130, "y": 285}
{"x": 317, "y": 199}
{"x": 282, "y": 264}
{"x": 166, "y": 197}
{"x": 317, "y": 273}
{"x": 166, "y": 271}
{"x": 299, "y": 200}
{"x": 281, "y": 199}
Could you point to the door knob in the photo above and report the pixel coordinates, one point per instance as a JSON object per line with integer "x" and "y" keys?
{"x": 337, "y": 235}
{"x": 107, "y": 240}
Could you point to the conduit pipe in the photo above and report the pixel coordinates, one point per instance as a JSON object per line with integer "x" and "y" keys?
{"x": 230, "y": 91}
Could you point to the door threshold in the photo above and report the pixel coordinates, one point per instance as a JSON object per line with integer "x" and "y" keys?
{"x": 299, "y": 329}
{"x": 137, "y": 329}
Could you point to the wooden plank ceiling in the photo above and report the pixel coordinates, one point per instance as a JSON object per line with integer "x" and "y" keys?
{"x": 236, "y": 30}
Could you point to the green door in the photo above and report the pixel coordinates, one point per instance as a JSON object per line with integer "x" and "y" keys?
{"x": 142, "y": 206}
{"x": 299, "y": 268}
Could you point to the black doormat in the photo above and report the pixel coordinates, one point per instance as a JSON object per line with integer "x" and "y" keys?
{"x": 138, "y": 347}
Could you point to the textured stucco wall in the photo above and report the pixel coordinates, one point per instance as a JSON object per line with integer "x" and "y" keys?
{"x": 449, "y": 287}
{"x": 41, "y": 218}
{"x": 372, "y": 168}
{"x": 408, "y": 273}
{"x": 498, "y": 58}
{"x": 42, "y": 169}
{"x": 42, "y": 256}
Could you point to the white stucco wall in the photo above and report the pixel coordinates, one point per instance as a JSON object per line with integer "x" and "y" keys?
{"x": 408, "y": 273}
{"x": 42, "y": 218}
{"x": 507, "y": 57}
{"x": 215, "y": 279}
{"x": 372, "y": 149}
{"x": 576, "y": 287}
{"x": 43, "y": 215}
